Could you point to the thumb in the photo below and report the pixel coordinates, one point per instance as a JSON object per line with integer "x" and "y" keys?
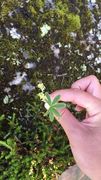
{"x": 70, "y": 124}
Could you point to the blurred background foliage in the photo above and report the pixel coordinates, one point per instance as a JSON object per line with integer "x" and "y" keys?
{"x": 52, "y": 42}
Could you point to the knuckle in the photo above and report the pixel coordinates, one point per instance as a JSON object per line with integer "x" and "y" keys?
{"x": 93, "y": 77}
{"x": 74, "y": 85}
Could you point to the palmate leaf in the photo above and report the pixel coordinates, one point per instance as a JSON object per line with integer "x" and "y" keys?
{"x": 55, "y": 112}
{"x": 56, "y": 99}
{"x": 53, "y": 106}
{"x": 51, "y": 116}
{"x": 48, "y": 100}
{"x": 60, "y": 105}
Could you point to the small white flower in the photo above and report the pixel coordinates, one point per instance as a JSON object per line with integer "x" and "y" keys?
{"x": 93, "y": 1}
{"x": 72, "y": 34}
{"x": 84, "y": 67}
{"x": 7, "y": 89}
{"x": 28, "y": 87}
{"x": 55, "y": 50}
{"x": 99, "y": 25}
{"x": 45, "y": 29}
{"x": 18, "y": 79}
{"x": 59, "y": 44}
{"x": 98, "y": 60}
{"x": 91, "y": 56}
{"x": 27, "y": 1}
{"x": 98, "y": 70}
{"x": 14, "y": 34}
{"x": 26, "y": 54}
{"x": 30, "y": 65}
{"x": 99, "y": 35}
{"x": 47, "y": 106}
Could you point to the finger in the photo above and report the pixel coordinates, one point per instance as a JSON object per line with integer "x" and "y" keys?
{"x": 90, "y": 84}
{"x": 81, "y": 98}
{"x": 94, "y": 121}
{"x": 72, "y": 127}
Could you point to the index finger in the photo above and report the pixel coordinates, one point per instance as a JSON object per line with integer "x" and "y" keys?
{"x": 81, "y": 98}
{"x": 89, "y": 84}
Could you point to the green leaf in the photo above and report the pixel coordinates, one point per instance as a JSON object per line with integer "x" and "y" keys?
{"x": 60, "y": 105}
{"x": 2, "y": 117}
{"x": 56, "y": 113}
{"x": 48, "y": 100}
{"x": 56, "y": 99}
{"x": 3, "y": 143}
{"x": 51, "y": 116}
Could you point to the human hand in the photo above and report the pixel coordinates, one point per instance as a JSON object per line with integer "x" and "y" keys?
{"x": 85, "y": 136}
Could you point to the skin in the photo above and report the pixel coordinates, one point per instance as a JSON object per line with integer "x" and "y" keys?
{"x": 85, "y": 136}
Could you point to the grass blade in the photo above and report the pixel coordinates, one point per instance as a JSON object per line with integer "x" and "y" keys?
{"x": 3, "y": 143}
{"x": 56, "y": 99}
{"x": 2, "y": 117}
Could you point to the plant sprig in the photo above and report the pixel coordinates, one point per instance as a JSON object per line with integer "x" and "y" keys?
{"x": 52, "y": 106}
